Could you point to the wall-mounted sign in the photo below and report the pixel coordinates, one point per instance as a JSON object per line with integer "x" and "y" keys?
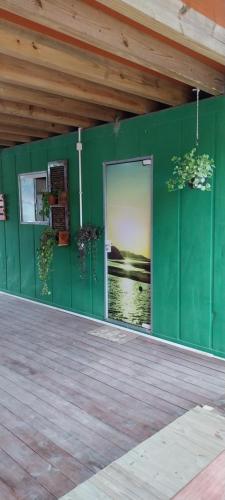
{"x": 2, "y": 207}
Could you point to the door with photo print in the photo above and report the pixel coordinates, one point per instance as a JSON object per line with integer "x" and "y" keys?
{"x": 128, "y": 200}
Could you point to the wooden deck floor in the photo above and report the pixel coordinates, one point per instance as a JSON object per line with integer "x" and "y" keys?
{"x": 72, "y": 402}
{"x": 183, "y": 461}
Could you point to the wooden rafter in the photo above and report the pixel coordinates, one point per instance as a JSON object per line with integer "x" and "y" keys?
{"x": 178, "y": 21}
{"x": 55, "y": 82}
{"x": 14, "y": 137}
{"x": 36, "y": 113}
{"x": 97, "y": 29}
{"x": 13, "y": 120}
{"x": 34, "y": 48}
{"x": 79, "y": 63}
{"x": 53, "y": 102}
{"x": 7, "y": 144}
{"x": 20, "y": 130}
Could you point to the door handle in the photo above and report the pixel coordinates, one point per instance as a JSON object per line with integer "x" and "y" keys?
{"x": 108, "y": 246}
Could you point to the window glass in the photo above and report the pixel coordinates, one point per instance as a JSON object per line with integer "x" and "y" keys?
{"x": 31, "y": 187}
{"x": 40, "y": 188}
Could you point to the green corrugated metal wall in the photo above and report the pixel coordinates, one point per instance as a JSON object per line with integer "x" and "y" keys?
{"x": 188, "y": 227}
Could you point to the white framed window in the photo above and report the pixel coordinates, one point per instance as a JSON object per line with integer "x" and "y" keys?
{"x": 31, "y": 188}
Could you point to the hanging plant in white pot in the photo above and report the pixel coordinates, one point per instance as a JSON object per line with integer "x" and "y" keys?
{"x": 192, "y": 169}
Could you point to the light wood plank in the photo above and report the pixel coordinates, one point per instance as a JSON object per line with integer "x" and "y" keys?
{"x": 170, "y": 19}
{"x": 86, "y": 23}
{"x": 34, "y": 48}
{"x": 160, "y": 466}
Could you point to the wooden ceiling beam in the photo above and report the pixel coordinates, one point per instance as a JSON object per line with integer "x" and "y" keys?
{"x": 20, "y": 130}
{"x": 53, "y": 128}
{"x": 16, "y": 138}
{"x": 36, "y": 113}
{"x": 177, "y": 21}
{"x": 55, "y": 82}
{"x": 7, "y": 143}
{"x": 80, "y": 21}
{"x": 57, "y": 103}
{"x": 33, "y": 48}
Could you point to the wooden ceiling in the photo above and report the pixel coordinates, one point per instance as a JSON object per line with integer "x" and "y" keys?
{"x": 81, "y": 63}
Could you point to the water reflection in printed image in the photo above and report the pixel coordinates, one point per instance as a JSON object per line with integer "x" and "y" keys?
{"x": 129, "y": 291}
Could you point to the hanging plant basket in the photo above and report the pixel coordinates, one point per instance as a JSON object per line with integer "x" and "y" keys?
{"x": 86, "y": 241}
{"x": 192, "y": 170}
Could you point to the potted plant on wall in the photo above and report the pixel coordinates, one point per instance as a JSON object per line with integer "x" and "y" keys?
{"x": 192, "y": 169}
{"x": 63, "y": 238}
{"x": 48, "y": 199}
{"x": 45, "y": 257}
{"x": 63, "y": 198}
{"x": 86, "y": 241}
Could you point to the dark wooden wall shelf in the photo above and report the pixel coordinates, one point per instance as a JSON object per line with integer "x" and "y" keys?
{"x": 59, "y": 213}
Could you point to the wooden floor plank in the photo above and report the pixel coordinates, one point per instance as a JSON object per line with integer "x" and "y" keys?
{"x": 19, "y": 482}
{"x": 108, "y": 364}
{"x": 44, "y": 447}
{"x": 61, "y": 419}
{"x": 86, "y": 458}
{"x": 48, "y": 475}
{"x": 163, "y": 465}
{"x": 74, "y": 402}
{"x": 64, "y": 380}
{"x": 63, "y": 358}
{"x": 132, "y": 358}
{"x": 176, "y": 351}
{"x": 136, "y": 353}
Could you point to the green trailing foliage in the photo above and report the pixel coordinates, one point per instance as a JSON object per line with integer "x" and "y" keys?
{"x": 45, "y": 257}
{"x": 46, "y": 196}
{"x": 191, "y": 170}
{"x": 45, "y": 206}
{"x": 86, "y": 241}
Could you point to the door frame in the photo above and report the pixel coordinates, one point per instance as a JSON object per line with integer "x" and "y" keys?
{"x": 106, "y": 309}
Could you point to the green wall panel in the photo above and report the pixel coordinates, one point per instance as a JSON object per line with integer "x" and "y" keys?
{"x": 165, "y": 235}
{"x": 26, "y": 234}
{"x": 218, "y": 249}
{"x": 12, "y": 245}
{"x": 3, "y": 267}
{"x": 196, "y": 247}
{"x": 188, "y": 227}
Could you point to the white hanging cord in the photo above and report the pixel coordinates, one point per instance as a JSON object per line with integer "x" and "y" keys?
{"x": 197, "y": 115}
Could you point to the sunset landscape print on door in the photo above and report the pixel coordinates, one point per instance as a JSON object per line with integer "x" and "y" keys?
{"x": 128, "y": 228}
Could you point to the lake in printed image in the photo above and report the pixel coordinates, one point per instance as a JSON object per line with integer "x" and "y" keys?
{"x": 129, "y": 291}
